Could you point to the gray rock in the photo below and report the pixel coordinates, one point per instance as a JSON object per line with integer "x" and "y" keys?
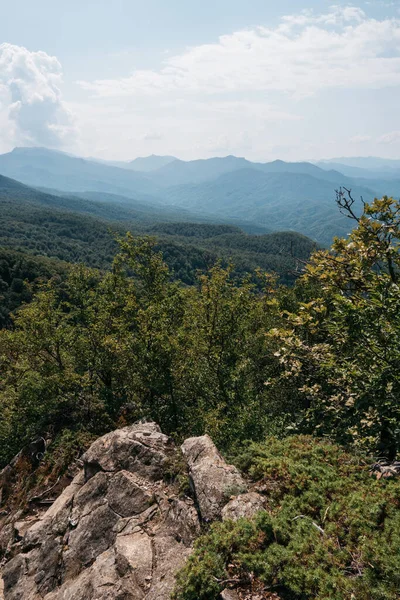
{"x": 137, "y": 551}
{"x": 93, "y": 535}
{"x": 90, "y": 496}
{"x": 118, "y": 531}
{"x": 214, "y": 481}
{"x": 105, "y": 579}
{"x": 17, "y": 584}
{"x": 56, "y": 519}
{"x": 125, "y": 495}
{"x": 140, "y": 449}
{"x": 244, "y": 505}
{"x": 169, "y": 556}
{"x": 182, "y": 518}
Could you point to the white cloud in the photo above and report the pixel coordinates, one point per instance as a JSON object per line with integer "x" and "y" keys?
{"x": 389, "y": 138}
{"x": 32, "y": 111}
{"x": 360, "y": 139}
{"x": 305, "y": 53}
{"x": 151, "y": 136}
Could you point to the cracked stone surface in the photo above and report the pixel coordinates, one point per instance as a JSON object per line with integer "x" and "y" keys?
{"x": 119, "y": 531}
{"x": 113, "y": 533}
{"x": 213, "y": 480}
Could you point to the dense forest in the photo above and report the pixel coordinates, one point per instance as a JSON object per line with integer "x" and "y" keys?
{"x": 232, "y": 357}
{"x": 21, "y": 274}
{"x": 307, "y": 372}
{"x": 80, "y": 230}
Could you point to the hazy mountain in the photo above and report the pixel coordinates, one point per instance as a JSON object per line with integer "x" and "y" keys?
{"x": 181, "y": 172}
{"x": 365, "y": 162}
{"x": 364, "y": 167}
{"x": 76, "y": 229}
{"x": 18, "y": 193}
{"x": 40, "y": 167}
{"x": 149, "y": 163}
{"x": 145, "y": 164}
{"x": 280, "y": 201}
{"x": 276, "y": 195}
{"x": 114, "y": 208}
{"x": 305, "y": 168}
{"x": 380, "y": 185}
{"x": 196, "y": 171}
{"x": 354, "y": 172}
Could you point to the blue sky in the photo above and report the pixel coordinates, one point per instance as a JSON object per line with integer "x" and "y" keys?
{"x": 253, "y": 78}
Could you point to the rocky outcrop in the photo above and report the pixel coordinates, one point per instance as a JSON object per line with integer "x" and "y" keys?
{"x": 141, "y": 449}
{"x": 119, "y": 531}
{"x": 213, "y": 481}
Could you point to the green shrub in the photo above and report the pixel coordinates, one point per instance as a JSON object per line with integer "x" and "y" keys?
{"x": 330, "y": 531}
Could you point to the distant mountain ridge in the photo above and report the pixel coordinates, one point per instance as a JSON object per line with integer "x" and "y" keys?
{"x": 150, "y": 163}
{"x": 299, "y": 196}
{"x": 76, "y": 228}
{"x": 40, "y": 167}
{"x": 367, "y": 167}
{"x": 289, "y": 201}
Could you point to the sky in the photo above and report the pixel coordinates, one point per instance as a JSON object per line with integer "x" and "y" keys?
{"x": 254, "y": 78}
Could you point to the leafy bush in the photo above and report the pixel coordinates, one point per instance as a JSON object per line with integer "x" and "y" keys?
{"x": 340, "y": 347}
{"x": 330, "y": 531}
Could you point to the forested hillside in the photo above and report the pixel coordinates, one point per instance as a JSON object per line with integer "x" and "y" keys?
{"x": 21, "y": 275}
{"x": 235, "y": 358}
{"x": 308, "y": 373}
{"x": 277, "y": 195}
{"x": 78, "y": 229}
{"x": 296, "y": 201}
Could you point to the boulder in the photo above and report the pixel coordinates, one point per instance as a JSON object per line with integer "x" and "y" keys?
{"x": 126, "y": 496}
{"x": 93, "y": 535}
{"x": 108, "y": 578}
{"x": 169, "y": 556}
{"x": 140, "y": 449}
{"x": 137, "y": 551}
{"x": 182, "y": 518}
{"x": 213, "y": 480}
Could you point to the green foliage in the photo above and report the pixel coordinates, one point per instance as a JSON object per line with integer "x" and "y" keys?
{"x": 20, "y": 276}
{"x": 330, "y": 532}
{"x": 108, "y": 348}
{"x": 340, "y": 349}
{"x": 82, "y": 228}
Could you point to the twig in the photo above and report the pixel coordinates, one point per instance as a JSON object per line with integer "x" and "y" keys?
{"x": 36, "y": 498}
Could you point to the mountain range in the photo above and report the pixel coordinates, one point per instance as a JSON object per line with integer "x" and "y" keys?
{"x": 277, "y": 195}
{"x": 76, "y": 228}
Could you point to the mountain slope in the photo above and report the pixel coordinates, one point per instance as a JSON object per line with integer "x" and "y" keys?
{"x": 69, "y": 228}
{"x": 149, "y": 163}
{"x": 276, "y": 195}
{"x": 180, "y": 172}
{"x": 386, "y": 173}
{"x": 39, "y": 167}
{"x": 279, "y": 200}
{"x": 196, "y": 171}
